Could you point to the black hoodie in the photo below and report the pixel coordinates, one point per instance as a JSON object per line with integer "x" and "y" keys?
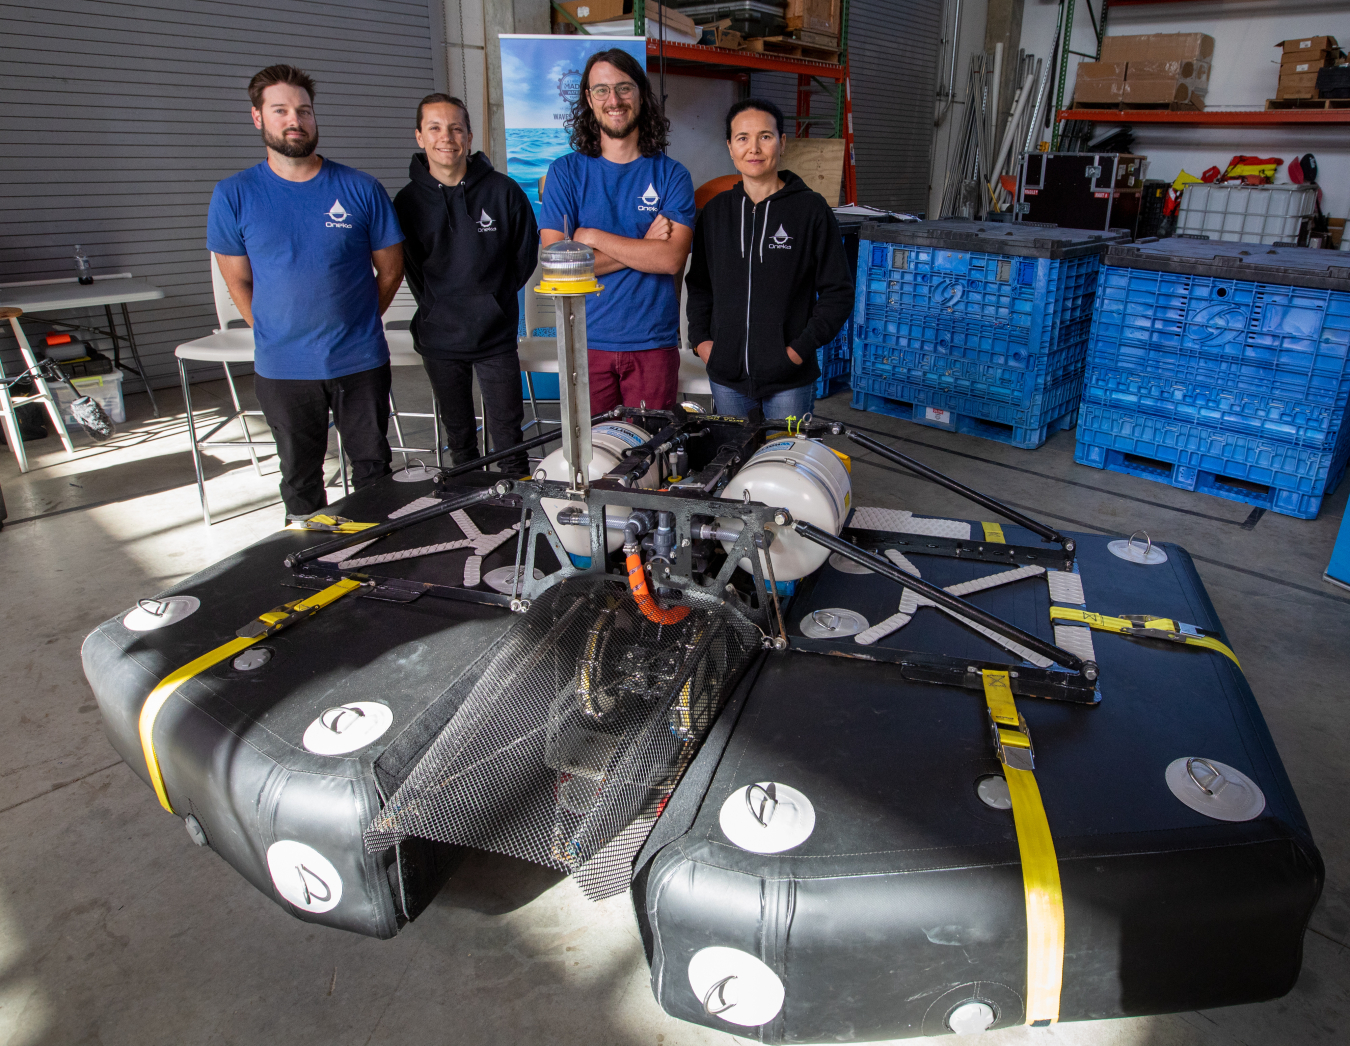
{"x": 766, "y": 277}
{"x": 467, "y": 251}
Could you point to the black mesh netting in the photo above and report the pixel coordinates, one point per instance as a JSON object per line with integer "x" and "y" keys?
{"x": 573, "y": 734}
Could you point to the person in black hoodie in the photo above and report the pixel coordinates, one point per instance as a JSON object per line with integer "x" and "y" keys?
{"x": 770, "y": 282}
{"x": 471, "y": 243}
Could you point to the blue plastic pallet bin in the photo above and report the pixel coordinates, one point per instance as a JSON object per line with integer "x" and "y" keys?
{"x": 1266, "y": 473}
{"x": 1233, "y": 410}
{"x": 1338, "y": 570}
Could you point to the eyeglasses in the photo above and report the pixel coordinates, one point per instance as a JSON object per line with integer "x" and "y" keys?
{"x": 600, "y": 92}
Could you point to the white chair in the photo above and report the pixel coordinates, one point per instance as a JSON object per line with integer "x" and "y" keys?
{"x": 226, "y": 345}
{"x": 402, "y": 353}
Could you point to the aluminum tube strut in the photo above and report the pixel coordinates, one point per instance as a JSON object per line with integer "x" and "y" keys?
{"x": 884, "y": 567}
{"x": 919, "y": 468}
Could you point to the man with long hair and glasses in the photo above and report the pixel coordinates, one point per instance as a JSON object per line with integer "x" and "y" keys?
{"x": 296, "y": 238}
{"x": 622, "y": 196}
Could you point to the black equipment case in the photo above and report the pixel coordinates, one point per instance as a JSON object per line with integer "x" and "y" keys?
{"x": 1080, "y": 190}
{"x": 904, "y": 907}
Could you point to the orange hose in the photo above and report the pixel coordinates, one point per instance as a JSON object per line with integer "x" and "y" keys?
{"x": 637, "y": 582}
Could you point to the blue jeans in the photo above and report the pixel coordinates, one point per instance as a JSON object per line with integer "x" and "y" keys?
{"x": 786, "y": 404}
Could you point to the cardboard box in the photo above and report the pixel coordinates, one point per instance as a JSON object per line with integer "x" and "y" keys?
{"x": 1308, "y": 43}
{"x": 1311, "y": 59}
{"x": 1099, "y": 83}
{"x": 1298, "y": 81}
{"x": 1193, "y": 71}
{"x": 1158, "y": 47}
{"x": 1287, "y": 93}
{"x": 588, "y": 12}
{"x": 817, "y": 16}
{"x": 1162, "y": 92}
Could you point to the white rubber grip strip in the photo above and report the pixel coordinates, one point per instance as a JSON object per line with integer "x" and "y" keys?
{"x": 1065, "y": 587}
{"x": 1077, "y": 640}
{"x": 1005, "y": 577}
{"x": 882, "y": 629}
{"x": 869, "y": 518}
{"x": 898, "y": 558}
{"x": 938, "y": 528}
{"x": 414, "y": 506}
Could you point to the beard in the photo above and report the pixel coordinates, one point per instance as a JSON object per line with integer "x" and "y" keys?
{"x": 291, "y": 148}
{"x": 621, "y": 132}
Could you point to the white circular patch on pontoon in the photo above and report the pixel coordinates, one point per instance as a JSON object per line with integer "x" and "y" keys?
{"x": 501, "y": 578}
{"x": 833, "y": 623}
{"x": 347, "y": 728}
{"x": 416, "y": 474}
{"x": 1148, "y": 555}
{"x": 1215, "y": 789}
{"x": 846, "y": 566}
{"x": 151, "y": 614}
{"x": 735, "y": 986}
{"x": 303, "y": 876}
{"x": 767, "y": 817}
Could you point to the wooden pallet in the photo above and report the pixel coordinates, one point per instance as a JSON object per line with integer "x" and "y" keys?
{"x": 1307, "y": 103}
{"x": 789, "y": 48}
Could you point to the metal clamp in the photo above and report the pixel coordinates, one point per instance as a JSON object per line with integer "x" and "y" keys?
{"x": 769, "y": 803}
{"x": 1016, "y": 755}
{"x": 154, "y": 607}
{"x": 1190, "y": 772}
{"x": 830, "y": 624}
{"x": 718, "y": 989}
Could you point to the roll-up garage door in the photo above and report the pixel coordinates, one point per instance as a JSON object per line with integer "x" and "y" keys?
{"x": 120, "y": 117}
{"x": 893, "y": 56}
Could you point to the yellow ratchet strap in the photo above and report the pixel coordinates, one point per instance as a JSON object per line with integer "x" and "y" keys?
{"x": 329, "y": 525}
{"x": 993, "y": 532}
{"x": 1040, "y": 866}
{"x": 1146, "y": 626}
{"x": 265, "y": 625}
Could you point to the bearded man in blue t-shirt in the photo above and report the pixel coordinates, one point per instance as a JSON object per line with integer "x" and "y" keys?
{"x": 296, "y": 238}
{"x": 622, "y": 196}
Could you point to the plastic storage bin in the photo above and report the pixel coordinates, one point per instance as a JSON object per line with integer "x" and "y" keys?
{"x": 104, "y": 389}
{"x": 1338, "y": 570}
{"x": 985, "y": 323}
{"x": 1247, "y": 213}
{"x": 1222, "y": 368}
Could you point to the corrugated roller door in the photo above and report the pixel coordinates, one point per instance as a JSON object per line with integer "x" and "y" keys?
{"x": 120, "y": 118}
{"x": 893, "y": 53}
{"x": 893, "y": 56}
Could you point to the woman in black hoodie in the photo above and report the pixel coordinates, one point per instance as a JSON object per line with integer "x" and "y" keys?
{"x": 770, "y": 282}
{"x": 470, "y": 243}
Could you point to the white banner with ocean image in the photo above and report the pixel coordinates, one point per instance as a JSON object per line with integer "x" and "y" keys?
{"x": 541, "y": 78}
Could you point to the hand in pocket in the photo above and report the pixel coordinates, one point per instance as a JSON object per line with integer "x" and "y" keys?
{"x": 792, "y": 355}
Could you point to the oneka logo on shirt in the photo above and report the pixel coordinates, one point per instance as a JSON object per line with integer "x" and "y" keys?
{"x": 337, "y": 216}
{"x": 780, "y": 239}
{"x": 650, "y": 198}
{"x": 486, "y": 223}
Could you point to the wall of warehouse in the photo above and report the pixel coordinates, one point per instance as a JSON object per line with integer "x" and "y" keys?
{"x": 1245, "y": 69}
{"x": 120, "y": 118}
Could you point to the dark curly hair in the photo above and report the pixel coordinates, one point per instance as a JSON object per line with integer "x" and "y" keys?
{"x": 652, "y": 126}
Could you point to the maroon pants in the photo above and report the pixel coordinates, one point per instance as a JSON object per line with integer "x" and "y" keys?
{"x": 632, "y": 379}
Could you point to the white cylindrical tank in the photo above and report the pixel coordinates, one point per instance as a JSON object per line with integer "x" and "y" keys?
{"x": 809, "y": 480}
{"x": 608, "y": 442}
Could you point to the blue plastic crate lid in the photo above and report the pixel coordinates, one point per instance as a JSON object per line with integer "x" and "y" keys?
{"x": 1229, "y": 260}
{"x": 1021, "y": 239}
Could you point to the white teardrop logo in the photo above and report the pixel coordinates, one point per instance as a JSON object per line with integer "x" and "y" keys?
{"x": 651, "y": 196}
{"x": 347, "y": 728}
{"x": 303, "y": 876}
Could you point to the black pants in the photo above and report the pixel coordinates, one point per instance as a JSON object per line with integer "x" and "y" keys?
{"x": 297, "y": 413}
{"x": 499, "y": 378}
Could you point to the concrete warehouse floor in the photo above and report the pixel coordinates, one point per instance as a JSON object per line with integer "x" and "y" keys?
{"x": 115, "y": 929}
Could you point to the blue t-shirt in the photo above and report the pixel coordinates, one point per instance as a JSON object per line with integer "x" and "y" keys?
{"x": 636, "y": 310}
{"x": 315, "y": 300}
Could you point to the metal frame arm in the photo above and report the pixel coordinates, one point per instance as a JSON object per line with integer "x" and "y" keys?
{"x": 984, "y": 500}
{"x": 879, "y": 565}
